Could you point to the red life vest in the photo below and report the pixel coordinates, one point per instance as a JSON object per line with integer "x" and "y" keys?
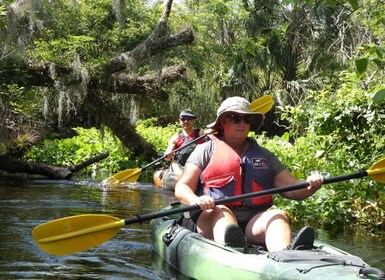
{"x": 225, "y": 177}
{"x": 183, "y": 140}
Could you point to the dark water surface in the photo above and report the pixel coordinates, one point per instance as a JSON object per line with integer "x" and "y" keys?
{"x": 25, "y": 204}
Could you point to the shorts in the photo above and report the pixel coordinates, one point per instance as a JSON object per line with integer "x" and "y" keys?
{"x": 189, "y": 219}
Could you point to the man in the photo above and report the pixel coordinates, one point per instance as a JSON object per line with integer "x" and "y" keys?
{"x": 188, "y": 134}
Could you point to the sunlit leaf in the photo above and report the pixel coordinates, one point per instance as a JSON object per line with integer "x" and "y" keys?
{"x": 361, "y": 65}
{"x": 379, "y": 97}
{"x": 354, "y": 4}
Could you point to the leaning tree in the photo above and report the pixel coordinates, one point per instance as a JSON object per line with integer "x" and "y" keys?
{"x": 96, "y": 86}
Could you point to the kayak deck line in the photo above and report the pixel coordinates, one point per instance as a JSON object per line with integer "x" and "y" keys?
{"x": 200, "y": 258}
{"x": 317, "y": 255}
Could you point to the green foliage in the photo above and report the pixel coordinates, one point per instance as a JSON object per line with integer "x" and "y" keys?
{"x": 91, "y": 142}
{"x": 157, "y": 136}
{"x": 342, "y": 203}
{"x": 62, "y": 51}
{"x": 19, "y": 114}
{"x": 337, "y": 132}
{"x": 94, "y": 31}
{"x": 20, "y": 101}
{"x": 3, "y": 22}
{"x": 88, "y": 143}
{"x": 361, "y": 66}
{"x": 379, "y": 97}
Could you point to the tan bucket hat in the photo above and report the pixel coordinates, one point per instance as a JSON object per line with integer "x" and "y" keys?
{"x": 237, "y": 104}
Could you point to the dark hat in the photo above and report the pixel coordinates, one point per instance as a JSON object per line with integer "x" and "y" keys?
{"x": 187, "y": 113}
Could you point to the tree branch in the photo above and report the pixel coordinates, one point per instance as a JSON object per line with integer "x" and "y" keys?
{"x": 152, "y": 46}
{"x": 146, "y": 85}
{"x": 54, "y": 172}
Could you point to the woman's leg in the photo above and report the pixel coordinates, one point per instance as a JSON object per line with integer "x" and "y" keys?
{"x": 212, "y": 223}
{"x": 271, "y": 228}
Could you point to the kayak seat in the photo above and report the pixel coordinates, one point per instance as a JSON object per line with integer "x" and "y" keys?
{"x": 304, "y": 239}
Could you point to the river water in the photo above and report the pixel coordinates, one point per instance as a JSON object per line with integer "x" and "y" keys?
{"x": 25, "y": 204}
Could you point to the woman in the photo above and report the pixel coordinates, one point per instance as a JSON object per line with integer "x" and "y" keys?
{"x": 233, "y": 164}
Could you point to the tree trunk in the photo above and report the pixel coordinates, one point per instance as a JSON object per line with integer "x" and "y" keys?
{"x": 53, "y": 172}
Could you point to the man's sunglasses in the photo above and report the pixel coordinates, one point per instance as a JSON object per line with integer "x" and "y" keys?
{"x": 183, "y": 119}
{"x": 235, "y": 118}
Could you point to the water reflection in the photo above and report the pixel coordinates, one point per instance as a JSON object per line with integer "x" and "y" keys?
{"x": 369, "y": 248}
{"x": 25, "y": 204}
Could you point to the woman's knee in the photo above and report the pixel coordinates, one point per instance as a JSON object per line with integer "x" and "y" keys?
{"x": 273, "y": 216}
{"x": 209, "y": 219}
{"x": 280, "y": 214}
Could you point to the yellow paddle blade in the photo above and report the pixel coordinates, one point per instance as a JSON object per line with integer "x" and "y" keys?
{"x": 129, "y": 175}
{"x": 262, "y": 104}
{"x": 377, "y": 171}
{"x": 76, "y": 233}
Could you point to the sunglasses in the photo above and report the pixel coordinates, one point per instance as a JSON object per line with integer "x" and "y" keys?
{"x": 234, "y": 118}
{"x": 184, "y": 119}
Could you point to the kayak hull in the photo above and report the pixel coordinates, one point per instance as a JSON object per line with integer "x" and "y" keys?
{"x": 157, "y": 177}
{"x": 167, "y": 177}
{"x": 200, "y": 258}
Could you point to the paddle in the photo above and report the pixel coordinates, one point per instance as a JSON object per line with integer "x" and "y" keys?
{"x": 261, "y": 105}
{"x": 78, "y": 233}
{"x": 131, "y": 175}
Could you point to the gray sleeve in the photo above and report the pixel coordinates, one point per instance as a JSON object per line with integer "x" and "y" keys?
{"x": 201, "y": 155}
{"x": 275, "y": 164}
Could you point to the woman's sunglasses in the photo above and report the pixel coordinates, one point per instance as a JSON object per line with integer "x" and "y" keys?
{"x": 235, "y": 118}
{"x": 184, "y": 119}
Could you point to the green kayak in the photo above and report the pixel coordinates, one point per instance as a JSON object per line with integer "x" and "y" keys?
{"x": 200, "y": 258}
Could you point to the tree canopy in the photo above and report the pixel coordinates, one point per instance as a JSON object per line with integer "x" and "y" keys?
{"x": 106, "y": 64}
{"x": 75, "y": 62}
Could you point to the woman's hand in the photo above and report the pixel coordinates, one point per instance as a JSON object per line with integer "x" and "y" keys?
{"x": 315, "y": 180}
{"x": 205, "y": 202}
